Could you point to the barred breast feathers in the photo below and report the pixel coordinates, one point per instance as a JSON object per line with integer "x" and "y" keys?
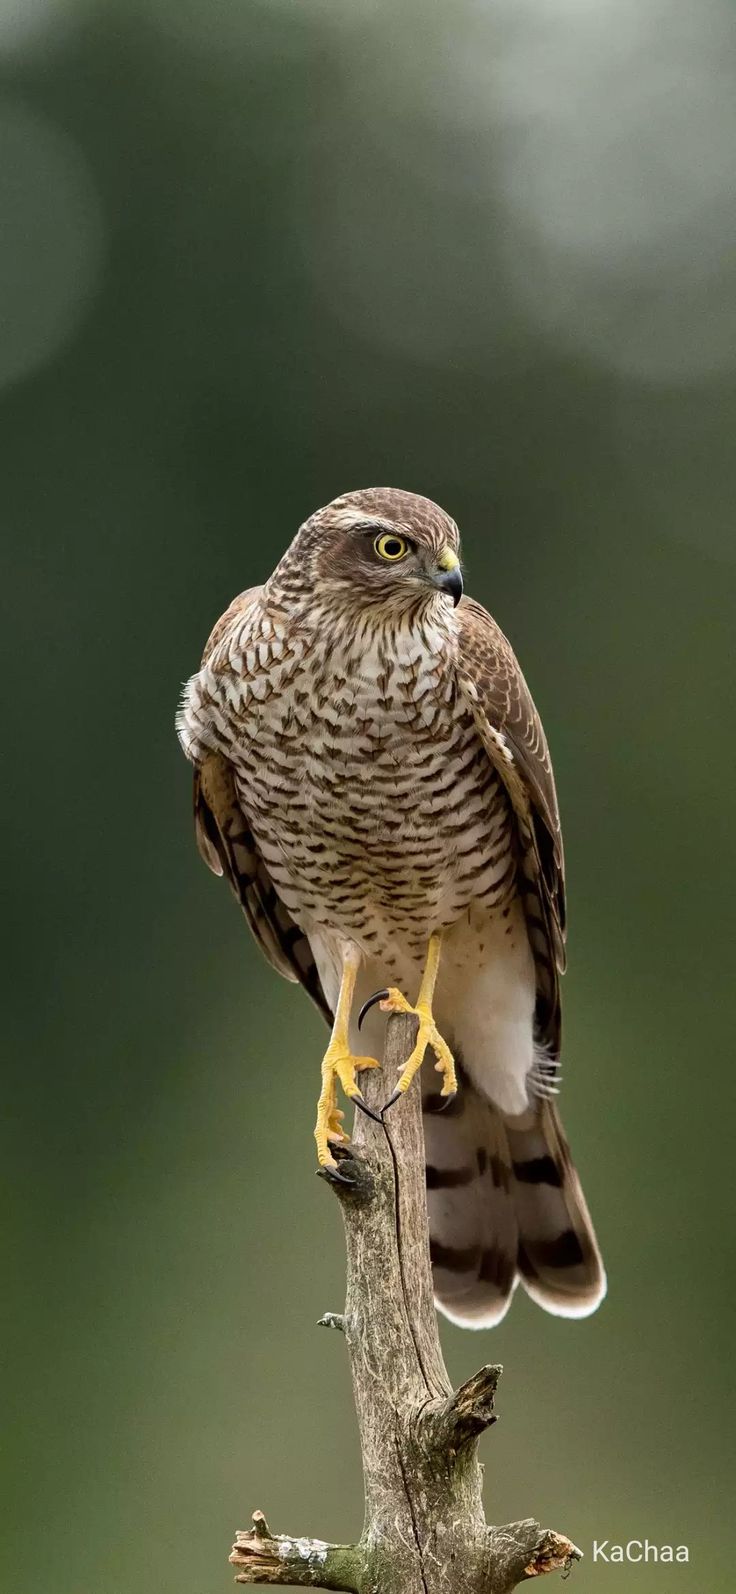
{"x": 259, "y": 648}
{"x": 370, "y": 767}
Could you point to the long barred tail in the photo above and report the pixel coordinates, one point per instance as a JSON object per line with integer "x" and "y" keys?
{"x": 505, "y": 1204}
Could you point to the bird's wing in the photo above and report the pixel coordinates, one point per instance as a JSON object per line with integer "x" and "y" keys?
{"x": 228, "y": 847}
{"x": 512, "y": 734}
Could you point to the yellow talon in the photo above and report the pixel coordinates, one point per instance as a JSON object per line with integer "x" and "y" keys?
{"x": 393, "y": 1001}
{"x": 338, "y": 1064}
{"x": 427, "y": 1035}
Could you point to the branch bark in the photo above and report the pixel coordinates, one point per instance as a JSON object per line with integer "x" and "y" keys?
{"x": 425, "y": 1530}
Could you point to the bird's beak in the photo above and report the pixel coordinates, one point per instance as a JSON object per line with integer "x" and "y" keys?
{"x": 449, "y": 576}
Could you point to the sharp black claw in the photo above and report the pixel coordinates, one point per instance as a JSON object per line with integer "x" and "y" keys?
{"x": 446, "y": 1101}
{"x": 351, "y": 1175}
{"x": 333, "y": 1176}
{"x": 391, "y": 1100}
{"x": 376, "y": 1116}
{"x": 378, "y": 996}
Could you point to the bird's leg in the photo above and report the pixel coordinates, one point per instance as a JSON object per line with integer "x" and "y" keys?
{"x": 339, "y": 1063}
{"x": 392, "y": 1001}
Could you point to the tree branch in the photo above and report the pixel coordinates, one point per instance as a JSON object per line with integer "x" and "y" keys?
{"x": 265, "y": 1557}
{"x": 425, "y": 1530}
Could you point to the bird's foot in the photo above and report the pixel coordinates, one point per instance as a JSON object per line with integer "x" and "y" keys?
{"x": 347, "y": 1172}
{"x": 393, "y": 1001}
{"x": 338, "y": 1064}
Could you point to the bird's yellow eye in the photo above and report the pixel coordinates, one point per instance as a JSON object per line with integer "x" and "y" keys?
{"x": 390, "y": 546}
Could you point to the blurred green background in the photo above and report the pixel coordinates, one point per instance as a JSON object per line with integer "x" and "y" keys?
{"x": 254, "y": 255}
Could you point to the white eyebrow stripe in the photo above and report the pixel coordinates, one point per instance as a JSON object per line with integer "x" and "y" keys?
{"x": 348, "y": 518}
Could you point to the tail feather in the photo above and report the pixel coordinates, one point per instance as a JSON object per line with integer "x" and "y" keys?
{"x": 559, "y": 1261}
{"x": 505, "y": 1204}
{"x": 474, "y": 1231}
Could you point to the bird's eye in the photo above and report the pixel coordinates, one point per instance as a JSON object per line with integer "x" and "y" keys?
{"x": 389, "y": 546}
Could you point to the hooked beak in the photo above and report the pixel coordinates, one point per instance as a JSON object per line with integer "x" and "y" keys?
{"x": 449, "y": 577}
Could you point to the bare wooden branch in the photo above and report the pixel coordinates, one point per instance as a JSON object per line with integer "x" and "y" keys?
{"x": 264, "y": 1557}
{"x": 425, "y": 1530}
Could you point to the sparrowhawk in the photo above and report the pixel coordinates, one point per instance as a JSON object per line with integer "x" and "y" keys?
{"x": 373, "y": 779}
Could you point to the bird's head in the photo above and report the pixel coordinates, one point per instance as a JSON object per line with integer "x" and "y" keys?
{"x": 381, "y": 547}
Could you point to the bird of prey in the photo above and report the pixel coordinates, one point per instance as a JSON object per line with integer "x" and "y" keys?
{"x": 372, "y": 778}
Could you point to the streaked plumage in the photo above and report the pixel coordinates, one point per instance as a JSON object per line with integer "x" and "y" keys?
{"x": 370, "y": 769}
